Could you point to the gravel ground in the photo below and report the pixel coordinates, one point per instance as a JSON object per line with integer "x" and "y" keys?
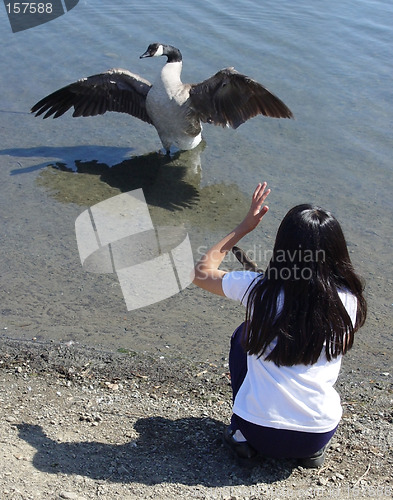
{"x": 80, "y": 423}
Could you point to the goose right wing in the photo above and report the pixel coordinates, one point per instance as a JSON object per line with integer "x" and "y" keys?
{"x": 115, "y": 90}
{"x": 229, "y": 98}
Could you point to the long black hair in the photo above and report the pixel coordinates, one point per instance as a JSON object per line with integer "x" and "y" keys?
{"x": 296, "y": 303}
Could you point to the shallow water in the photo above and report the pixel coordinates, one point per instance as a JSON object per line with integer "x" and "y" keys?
{"x": 330, "y": 63}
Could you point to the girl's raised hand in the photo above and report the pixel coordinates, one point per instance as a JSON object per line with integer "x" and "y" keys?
{"x": 207, "y": 274}
{"x": 257, "y": 211}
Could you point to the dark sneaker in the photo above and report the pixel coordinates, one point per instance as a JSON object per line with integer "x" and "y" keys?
{"x": 239, "y": 449}
{"x": 315, "y": 460}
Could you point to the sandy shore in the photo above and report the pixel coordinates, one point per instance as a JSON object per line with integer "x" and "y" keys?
{"x": 80, "y": 423}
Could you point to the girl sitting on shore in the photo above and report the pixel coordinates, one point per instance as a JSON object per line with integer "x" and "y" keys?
{"x": 301, "y": 317}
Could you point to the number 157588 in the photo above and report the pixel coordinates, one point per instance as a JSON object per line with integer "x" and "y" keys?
{"x": 29, "y": 8}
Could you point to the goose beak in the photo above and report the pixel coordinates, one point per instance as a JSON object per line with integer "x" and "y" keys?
{"x": 145, "y": 54}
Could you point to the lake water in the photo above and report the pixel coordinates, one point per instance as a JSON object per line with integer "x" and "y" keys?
{"x": 330, "y": 62}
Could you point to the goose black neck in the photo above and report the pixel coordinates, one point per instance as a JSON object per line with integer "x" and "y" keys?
{"x": 173, "y": 54}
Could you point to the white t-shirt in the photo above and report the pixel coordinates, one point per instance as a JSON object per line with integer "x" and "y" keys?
{"x": 299, "y": 397}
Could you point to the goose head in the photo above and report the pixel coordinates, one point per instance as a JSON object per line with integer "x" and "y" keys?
{"x": 159, "y": 49}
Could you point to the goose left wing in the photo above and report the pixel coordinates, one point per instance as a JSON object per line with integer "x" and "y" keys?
{"x": 229, "y": 98}
{"x": 115, "y": 90}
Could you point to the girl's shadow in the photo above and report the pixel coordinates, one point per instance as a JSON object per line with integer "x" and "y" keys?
{"x": 187, "y": 451}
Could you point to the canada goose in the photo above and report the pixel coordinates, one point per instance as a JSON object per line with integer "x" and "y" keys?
{"x": 176, "y": 109}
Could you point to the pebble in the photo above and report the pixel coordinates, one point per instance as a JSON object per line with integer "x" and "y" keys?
{"x": 68, "y": 495}
{"x": 113, "y": 387}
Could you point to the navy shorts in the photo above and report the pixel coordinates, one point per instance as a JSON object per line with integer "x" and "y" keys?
{"x": 269, "y": 442}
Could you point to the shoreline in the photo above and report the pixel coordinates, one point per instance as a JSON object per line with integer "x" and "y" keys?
{"x": 83, "y": 423}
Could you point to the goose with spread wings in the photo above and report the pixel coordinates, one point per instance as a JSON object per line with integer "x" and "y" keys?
{"x": 176, "y": 109}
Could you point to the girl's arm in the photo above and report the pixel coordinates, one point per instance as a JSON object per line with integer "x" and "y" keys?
{"x": 207, "y": 274}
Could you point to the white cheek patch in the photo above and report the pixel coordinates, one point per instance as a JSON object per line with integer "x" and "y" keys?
{"x": 159, "y": 51}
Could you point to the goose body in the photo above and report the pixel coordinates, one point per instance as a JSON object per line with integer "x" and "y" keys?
{"x": 176, "y": 109}
{"x": 167, "y": 102}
